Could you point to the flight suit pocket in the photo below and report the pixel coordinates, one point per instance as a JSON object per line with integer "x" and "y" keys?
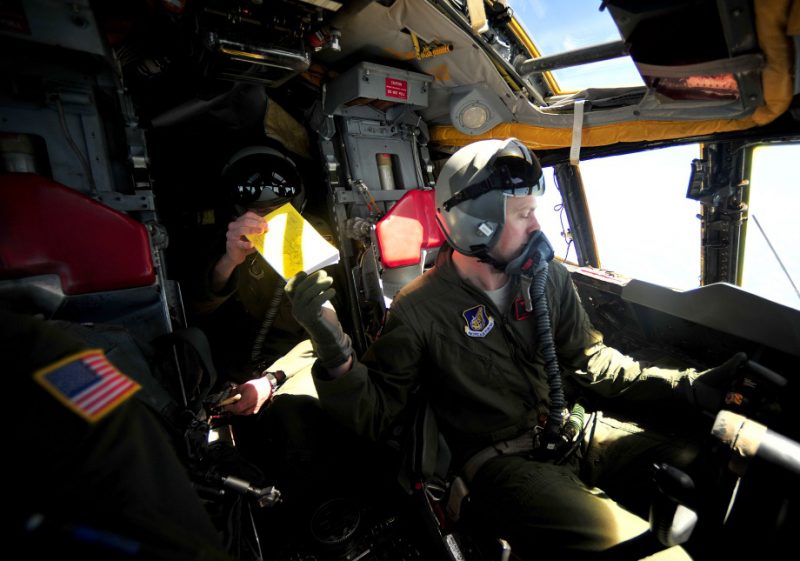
{"x": 468, "y": 367}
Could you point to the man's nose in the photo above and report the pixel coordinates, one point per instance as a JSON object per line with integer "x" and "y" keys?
{"x": 534, "y": 224}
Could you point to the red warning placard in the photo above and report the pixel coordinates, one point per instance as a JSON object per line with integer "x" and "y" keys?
{"x": 396, "y": 88}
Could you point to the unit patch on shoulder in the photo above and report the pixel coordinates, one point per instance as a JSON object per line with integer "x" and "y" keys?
{"x": 87, "y": 384}
{"x": 479, "y": 322}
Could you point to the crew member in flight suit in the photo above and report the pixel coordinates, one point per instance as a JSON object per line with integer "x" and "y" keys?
{"x": 240, "y": 304}
{"x": 93, "y": 472}
{"x": 462, "y": 334}
{"x": 239, "y": 299}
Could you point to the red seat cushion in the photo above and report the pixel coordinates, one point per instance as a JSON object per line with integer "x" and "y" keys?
{"x": 47, "y": 228}
{"x": 409, "y": 227}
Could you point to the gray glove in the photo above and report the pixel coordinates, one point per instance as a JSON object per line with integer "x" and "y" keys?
{"x": 307, "y": 293}
{"x": 706, "y": 390}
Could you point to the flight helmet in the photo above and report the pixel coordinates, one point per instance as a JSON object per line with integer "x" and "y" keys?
{"x": 472, "y": 189}
{"x": 260, "y": 178}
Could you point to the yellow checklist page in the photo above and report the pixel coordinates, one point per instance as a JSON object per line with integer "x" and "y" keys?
{"x": 291, "y": 244}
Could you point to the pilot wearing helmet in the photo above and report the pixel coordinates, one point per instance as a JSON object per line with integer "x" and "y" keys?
{"x": 487, "y": 335}
{"x": 240, "y": 302}
{"x": 256, "y": 342}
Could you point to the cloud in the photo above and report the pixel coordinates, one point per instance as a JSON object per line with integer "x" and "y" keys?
{"x": 539, "y": 8}
{"x": 529, "y": 11}
{"x": 569, "y": 43}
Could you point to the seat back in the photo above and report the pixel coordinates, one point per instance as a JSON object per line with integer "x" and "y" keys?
{"x": 47, "y": 228}
{"x": 405, "y": 237}
{"x": 425, "y": 474}
{"x": 72, "y": 258}
{"x": 408, "y": 228}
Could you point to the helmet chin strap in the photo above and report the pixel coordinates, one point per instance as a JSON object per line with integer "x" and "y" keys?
{"x": 484, "y": 257}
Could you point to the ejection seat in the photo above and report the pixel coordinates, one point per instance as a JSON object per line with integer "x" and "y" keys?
{"x": 73, "y": 258}
{"x": 380, "y": 179}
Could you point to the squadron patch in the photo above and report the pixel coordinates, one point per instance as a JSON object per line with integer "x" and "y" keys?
{"x": 479, "y": 322}
{"x": 87, "y": 384}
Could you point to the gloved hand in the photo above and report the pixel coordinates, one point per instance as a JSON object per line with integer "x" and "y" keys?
{"x": 707, "y": 389}
{"x": 308, "y": 293}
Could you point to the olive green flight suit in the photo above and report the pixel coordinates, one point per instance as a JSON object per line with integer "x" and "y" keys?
{"x": 484, "y": 378}
{"x": 233, "y": 317}
{"x": 108, "y": 488}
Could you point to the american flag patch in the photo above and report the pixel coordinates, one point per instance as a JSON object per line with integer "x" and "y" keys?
{"x": 87, "y": 384}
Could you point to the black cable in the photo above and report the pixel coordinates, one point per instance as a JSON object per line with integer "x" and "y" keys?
{"x": 548, "y": 349}
{"x": 266, "y": 324}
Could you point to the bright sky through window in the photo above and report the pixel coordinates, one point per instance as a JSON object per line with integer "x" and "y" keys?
{"x": 546, "y": 23}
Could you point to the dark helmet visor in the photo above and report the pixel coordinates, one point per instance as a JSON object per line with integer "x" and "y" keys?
{"x": 262, "y": 180}
{"x": 515, "y": 171}
{"x": 263, "y": 187}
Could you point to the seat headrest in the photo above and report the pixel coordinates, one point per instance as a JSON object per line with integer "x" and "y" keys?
{"x": 48, "y": 228}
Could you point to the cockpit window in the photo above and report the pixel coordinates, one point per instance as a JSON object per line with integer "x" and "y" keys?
{"x": 556, "y": 27}
{"x": 644, "y": 226}
{"x": 772, "y": 253}
{"x": 553, "y": 219}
